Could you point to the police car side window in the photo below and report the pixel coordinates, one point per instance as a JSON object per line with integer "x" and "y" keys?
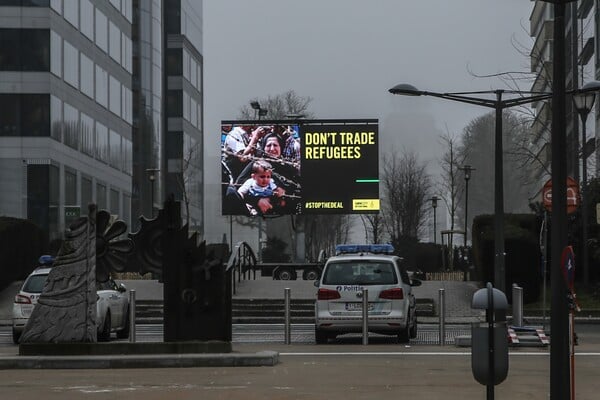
{"x": 404, "y": 274}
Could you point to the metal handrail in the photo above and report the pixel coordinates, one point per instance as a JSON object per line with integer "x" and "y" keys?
{"x": 241, "y": 260}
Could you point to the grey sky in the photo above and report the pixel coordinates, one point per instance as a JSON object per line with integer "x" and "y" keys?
{"x": 346, "y": 54}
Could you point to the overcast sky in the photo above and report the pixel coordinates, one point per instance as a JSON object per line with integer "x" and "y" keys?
{"x": 346, "y": 54}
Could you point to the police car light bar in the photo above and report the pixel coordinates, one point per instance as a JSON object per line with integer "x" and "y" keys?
{"x": 364, "y": 248}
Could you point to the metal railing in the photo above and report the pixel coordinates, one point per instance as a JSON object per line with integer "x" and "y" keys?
{"x": 242, "y": 262}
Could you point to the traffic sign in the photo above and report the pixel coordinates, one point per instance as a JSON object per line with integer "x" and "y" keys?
{"x": 567, "y": 264}
{"x": 572, "y": 195}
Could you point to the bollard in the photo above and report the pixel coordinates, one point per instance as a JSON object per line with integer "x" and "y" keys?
{"x": 132, "y": 316}
{"x": 287, "y": 323}
{"x": 517, "y": 305}
{"x": 365, "y": 316}
{"x": 442, "y": 306}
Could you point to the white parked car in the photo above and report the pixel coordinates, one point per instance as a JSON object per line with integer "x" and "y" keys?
{"x": 391, "y": 303}
{"x": 112, "y": 306}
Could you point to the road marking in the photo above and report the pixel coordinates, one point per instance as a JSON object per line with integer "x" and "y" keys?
{"x": 422, "y": 353}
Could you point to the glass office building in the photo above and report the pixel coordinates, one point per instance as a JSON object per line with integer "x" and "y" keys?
{"x": 183, "y": 134}
{"x": 65, "y": 109}
{"x": 91, "y": 106}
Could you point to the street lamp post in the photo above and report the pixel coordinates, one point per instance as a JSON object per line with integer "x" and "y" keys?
{"x": 499, "y": 104}
{"x": 584, "y": 102}
{"x": 152, "y": 172}
{"x": 467, "y": 170}
{"x": 258, "y": 113}
{"x": 434, "y": 200}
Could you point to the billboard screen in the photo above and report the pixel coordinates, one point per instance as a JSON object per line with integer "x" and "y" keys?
{"x": 307, "y": 167}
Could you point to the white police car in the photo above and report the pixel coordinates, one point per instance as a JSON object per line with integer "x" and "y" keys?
{"x": 392, "y": 305}
{"x": 112, "y": 305}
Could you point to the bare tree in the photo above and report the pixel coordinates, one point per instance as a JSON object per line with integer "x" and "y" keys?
{"x": 279, "y": 106}
{"x": 323, "y": 232}
{"x": 451, "y": 161}
{"x": 374, "y": 227}
{"x": 188, "y": 181}
{"x": 478, "y": 151}
{"x": 406, "y": 185}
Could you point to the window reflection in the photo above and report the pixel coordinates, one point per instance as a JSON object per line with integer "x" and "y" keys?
{"x": 87, "y": 76}
{"x": 101, "y": 30}
{"x": 101, "y": 196}
{"x": 55, "y": 54}
{"x": 71, "y": 126}
{"x": 87, "y": 134}
{"x": 101, "y": 142}
{"x": 70, "y": 188}
{"x": 115, "y": 149}
{"x": 71, "y": 64}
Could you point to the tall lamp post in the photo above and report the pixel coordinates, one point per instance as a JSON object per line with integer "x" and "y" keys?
{"x": 258, "y": 113}
{"x": 499, "y": 104}
{"x": 467, "y": 170}
{"x": 152, "y": 173}
{"x": 434, "y": 200}
{"x": 584, "y": 103}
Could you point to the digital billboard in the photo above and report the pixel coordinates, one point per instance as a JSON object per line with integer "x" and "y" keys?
{"x": 307, "y": 167}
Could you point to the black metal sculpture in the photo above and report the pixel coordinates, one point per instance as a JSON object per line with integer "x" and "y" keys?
{"x": 196, "y": 284}
{"x": 66, "y": 309}
{"x": 197, "y": 288}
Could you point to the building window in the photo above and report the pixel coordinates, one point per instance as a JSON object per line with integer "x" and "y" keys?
{"x": 24, "y": 50}
{"x": 101, "y": 31}
{"x": 126, "y": 214}
{"x": 114, "y": 40}
{"x": 87, "y": 76}
{"x": 55, "y": 54}
{"x": 71, "y": 64}
{"x": 114, "y": 202}
{"x": 87, "y": 19}
{"x": 101, "y": 196}
{"x": 71, "y": 12}
{"x": 86, "y": 193}
{"x": 70, "y": 188}
{"x": 102, "y": 142}
{"x": 126, "y": 156}
{"x": 174, "y": 62}
{"x": 35, "y": 114}
{"x": 174, "y": 103}
{"x": 114, "y": 92}
{"x": 24, "y": 114}
{"x": 87, "y": 135}
{"x": 101, "y": 89}
{"x": 56, "y": 5}
{"x": 71, "y": 126}
{"x": 9, "y": 115}
{"x": 56, "y": 118}
{"x": 115, "y": 149}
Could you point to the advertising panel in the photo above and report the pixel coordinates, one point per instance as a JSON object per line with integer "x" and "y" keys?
{"x": 307, "y": 167}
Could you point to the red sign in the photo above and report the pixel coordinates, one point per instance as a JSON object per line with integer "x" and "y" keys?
{"x": 567, "y": 264}
{"x": 572, "y": 195}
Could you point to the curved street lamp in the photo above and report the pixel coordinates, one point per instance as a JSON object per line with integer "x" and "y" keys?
{"x": 498, "y": 104}
{"x": 584, "y": 103}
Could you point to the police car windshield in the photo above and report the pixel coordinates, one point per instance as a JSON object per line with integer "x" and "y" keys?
{"x": 35, "y": 283}
{"x": 360, "y": 272}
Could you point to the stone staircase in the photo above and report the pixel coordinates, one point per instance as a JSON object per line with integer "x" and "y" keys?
{"x": 259, "y": 311}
